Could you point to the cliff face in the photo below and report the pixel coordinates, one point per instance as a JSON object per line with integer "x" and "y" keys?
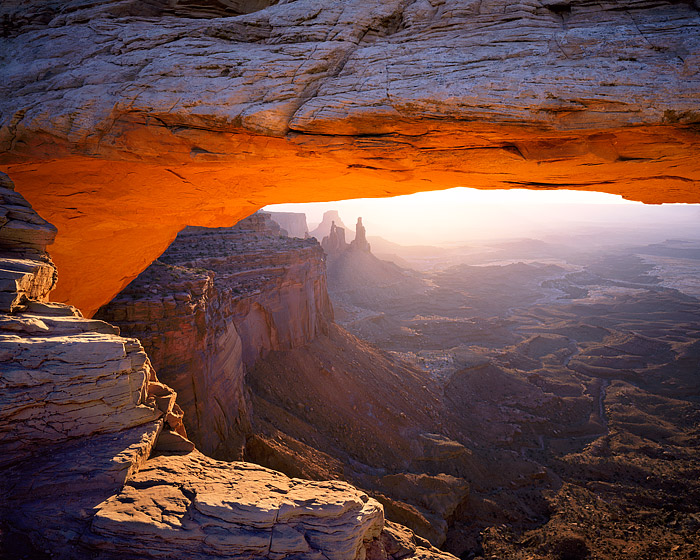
{"x": 234, "y": 317}
{"x": 174, "y": 312}
{"x": 216, "y": 302}
{"x": 81, "y": 407}
{"x": 82, "y": 411}
{"x": 294, "y": 223}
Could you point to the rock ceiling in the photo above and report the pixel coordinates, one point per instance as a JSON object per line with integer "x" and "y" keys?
{"x": 123, "y": 121}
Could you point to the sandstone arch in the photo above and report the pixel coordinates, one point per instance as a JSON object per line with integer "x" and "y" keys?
{"x": 142, "y": 124}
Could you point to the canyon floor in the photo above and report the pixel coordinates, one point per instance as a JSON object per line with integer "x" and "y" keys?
{"x": 512, "y": 399}
{"x": 582, "y": 362}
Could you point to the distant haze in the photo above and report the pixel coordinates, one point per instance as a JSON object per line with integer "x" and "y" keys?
{"x": 455, "y": 216}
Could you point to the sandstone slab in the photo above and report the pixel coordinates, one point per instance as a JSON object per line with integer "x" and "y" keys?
{"x": 50, "y": 497}
{"x": 22, "y": 231}
{"x": 237, "y": 510}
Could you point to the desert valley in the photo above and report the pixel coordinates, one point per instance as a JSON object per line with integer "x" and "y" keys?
{"x": 192, "y": 367}
{"x": 510, "y": 398}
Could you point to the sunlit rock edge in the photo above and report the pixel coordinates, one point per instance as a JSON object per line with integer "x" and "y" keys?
{"x": 144, "y": 119}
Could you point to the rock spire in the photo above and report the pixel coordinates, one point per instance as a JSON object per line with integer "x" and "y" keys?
{"x": 334, "y": 243}
{"x": 360, "y": 242}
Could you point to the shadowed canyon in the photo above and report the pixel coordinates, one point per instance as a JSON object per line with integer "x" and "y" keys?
{"x": 185, "y": 376}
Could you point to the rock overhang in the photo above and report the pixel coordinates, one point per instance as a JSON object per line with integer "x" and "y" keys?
{"x": 143, "y": 124}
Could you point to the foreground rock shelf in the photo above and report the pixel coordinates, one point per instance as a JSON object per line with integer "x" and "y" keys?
{"x": 235, "y": 510}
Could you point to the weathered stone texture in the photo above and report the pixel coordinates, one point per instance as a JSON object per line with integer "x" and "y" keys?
{"x": 26, "y": 271}
{"x": 215, "y": 302}
{"x": 63, "y": 376}
{"x": 235, "y": 510}
{"x": 49, "y": 498}
{"x": 80, "y": 406}
{"x": 60, "y": 387}
{"x": 294, "y": 223}
{"x": 356, "y": 67}
{"x": 23, "y": 232}
{"x": 81, "y": 411}
{"x": 144, "y": 119}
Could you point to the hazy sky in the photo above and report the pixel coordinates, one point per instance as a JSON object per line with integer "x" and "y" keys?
{"x": 458, "y": 214}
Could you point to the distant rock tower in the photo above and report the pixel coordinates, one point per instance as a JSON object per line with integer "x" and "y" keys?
{"x": 360, "y": 242}
{"x": 324, "y": 228}
{"x": 334, "y": 243}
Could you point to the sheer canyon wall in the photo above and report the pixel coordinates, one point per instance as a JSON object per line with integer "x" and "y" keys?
{"x": 239, "y": 322}
{"x": 125, "y": 121}
{"x": 213, "y": 304}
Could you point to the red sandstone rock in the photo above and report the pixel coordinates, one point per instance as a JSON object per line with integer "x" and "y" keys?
{"x": 294, "y": 223}
{"x": 323, "y": 229}
{"x": 216, "y": 302}
{"x": 126, "y": 107}
{"x": 360, "y": 241}
{"x": 334, "y": 243}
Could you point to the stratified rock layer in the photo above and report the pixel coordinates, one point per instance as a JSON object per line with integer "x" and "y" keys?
{"x": 294, "y": 223}
{"x": 324, "y": 405}
{"x": 81, "y": 407}
{"x": 145, "y": 118}
{"x": 234, "y": 510}
{"x": 81, "y": 413}
{"x": 215, "y": 302}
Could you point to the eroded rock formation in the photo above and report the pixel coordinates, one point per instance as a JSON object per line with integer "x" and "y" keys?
{"x": 81, "y": 415}
{"x": 339, "y": 408}
{"x": 294, "y": 223}
{"x": 81, "y": 407}
{"x": 334, "y": 243}
{"x": 213, "y": 304}
{"x": 355, "y": 275}
{"x": 330, "y": 218}
{"x": 124, "y": 107}
{"x": 569, "y": 370}
{"x": 360, "y": 241}
{"x": 234, "y": 510}
{"x": 325, "y": 405}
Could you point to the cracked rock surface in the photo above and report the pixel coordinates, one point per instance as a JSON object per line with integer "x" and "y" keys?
{"x": 235, "y": 510}
{"x": 343, "y": 68}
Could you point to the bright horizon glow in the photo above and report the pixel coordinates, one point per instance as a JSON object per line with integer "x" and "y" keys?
{"x": 461, "y": 195}
{"x": 458, "y": 214}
